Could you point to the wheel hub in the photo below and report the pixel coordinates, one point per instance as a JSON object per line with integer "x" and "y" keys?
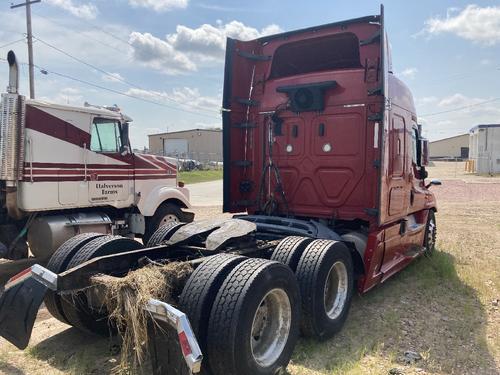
{"x": 271, "y": 327}
{"x": 335, "y": 292}
{"x": 431, "y": 235}
{"x": 167, "y": 219}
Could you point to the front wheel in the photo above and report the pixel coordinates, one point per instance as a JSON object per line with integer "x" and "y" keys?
{"x": 430, "y": 234}
{"x": 167, "y": 214}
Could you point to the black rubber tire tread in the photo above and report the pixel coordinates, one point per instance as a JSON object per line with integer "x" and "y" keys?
{"x": 58, "y": 263}
{"x": 430, "y": 252}
{"x": 311, "y": 274}
{"x": 232, "y": 316}
{"x": 153, "y": 222}
{"x": 163, "y": 233}
{"x": 290, "y": 249}
{"x": 199, "y": 293}
{"x": 75, "y": 306}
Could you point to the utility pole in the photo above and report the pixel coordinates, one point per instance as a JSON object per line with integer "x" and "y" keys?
{"x": 27, "y": 4}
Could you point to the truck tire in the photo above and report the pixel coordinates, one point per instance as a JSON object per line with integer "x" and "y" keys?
{"x": 290, "y": 249}
{"x": 163, "y": 233}
{"x": 254, "y": 322}
{"x": 199, "y": 293}
{"x": 76, "y": 307}
{"x": 430, "y": 234}
{"x": 58, "y": 263}
{"x": 326, "y": 280}
{"x": 165, "y": 214}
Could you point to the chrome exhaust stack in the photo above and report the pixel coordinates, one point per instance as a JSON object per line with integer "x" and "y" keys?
{"x": 13, "y": 87}
{"x": 12, "y": 136}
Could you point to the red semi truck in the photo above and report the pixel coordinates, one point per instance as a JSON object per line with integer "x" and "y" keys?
{"x": 323, "y": 151}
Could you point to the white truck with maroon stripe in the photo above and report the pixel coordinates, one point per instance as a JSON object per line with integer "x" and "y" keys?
{"x": 68, "y": 170}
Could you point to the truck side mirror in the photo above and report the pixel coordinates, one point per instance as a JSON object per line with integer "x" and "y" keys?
{"x": 125, "y": 149}
{"x": 425, "y": 151}
{"x": 434, "y": 182}
{"x": 422, "y": 173}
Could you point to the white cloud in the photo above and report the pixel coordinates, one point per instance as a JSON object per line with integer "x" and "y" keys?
{"x": 475, "y": 110}
{"x": 112, "y": 77}
{"x": 185, "y": 49}
{"x": 86, "y": 11}
{"x": 475, "y": 23}
{"x": 426, "y": 100}
{"x": 474, "y": 105}
{"x": 210, "y": 41}
{"x": 159, "y": 54}
{"x": 409, "y": 73}
{"x": 67, "y": 95}
{"x": 486, "y": 62}
{"x": 160, "y": 5}
{"x": 188, "y": 98}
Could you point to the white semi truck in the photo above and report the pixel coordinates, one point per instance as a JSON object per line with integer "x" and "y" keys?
{"x": 69, "y": 170}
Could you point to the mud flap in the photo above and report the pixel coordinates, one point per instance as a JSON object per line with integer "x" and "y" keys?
{"x": 173, "y": 347}
{"x": 18, "y": 308}
{"x": 165, "y": 350}
{"x": 20, "y": 301}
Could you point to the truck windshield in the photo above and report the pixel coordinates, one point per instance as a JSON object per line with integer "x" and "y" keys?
{"x": 332, "y": 52}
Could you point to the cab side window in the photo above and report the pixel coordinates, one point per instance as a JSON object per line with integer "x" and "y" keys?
{"x": 105, "y": 136}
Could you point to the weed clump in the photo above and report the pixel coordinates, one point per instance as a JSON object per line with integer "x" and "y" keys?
{"x": 126, "y": 297}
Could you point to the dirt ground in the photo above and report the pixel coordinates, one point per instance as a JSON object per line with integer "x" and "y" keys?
{"x": 445, "y": 308}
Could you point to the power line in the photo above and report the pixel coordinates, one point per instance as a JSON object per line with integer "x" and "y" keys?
{"x": 11, "y": 43}
{"x": 113, "y": 76}
{"x": 80, "y": 33}
{"x": 461, "y": 108}
{"x": 95, "y": 85}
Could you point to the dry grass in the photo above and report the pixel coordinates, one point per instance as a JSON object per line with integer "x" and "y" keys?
{"x": 126, "y": 297}
{"x": 443, "y": 307}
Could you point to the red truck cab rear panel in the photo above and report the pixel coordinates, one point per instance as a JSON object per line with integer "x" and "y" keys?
{"x": 328, "y": 158}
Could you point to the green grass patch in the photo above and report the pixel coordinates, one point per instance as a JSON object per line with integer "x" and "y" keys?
{"x": 193, "y": 177}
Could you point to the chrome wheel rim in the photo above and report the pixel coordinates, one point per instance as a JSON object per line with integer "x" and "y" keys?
{"x": 271, "y": 327}
{"x": 335, "y": 292}
{"x": 431, "y": 235}
{"x": 169, "y": 219}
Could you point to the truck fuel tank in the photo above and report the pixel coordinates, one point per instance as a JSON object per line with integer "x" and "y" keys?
{"x": 47, "y": 233}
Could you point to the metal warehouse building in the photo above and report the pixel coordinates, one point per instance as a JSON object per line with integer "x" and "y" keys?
{"x": 485, "y": 148}
{"x": 450, "y": 148}
{"x": 203, "y": 145}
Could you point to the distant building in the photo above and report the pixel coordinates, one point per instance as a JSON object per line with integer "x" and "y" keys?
{"x": 202, "y": 145}
{"x": 485, "y": 148}
{"x": 450, "y": 148}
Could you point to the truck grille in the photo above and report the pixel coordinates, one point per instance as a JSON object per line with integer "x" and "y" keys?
{"x": 12, "y": 112}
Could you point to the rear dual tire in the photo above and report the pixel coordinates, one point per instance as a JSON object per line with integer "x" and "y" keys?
{"x": 254, "y": 322}
{"x": 58, "y": 263}
{"x": 77, "y": 307}
{"x": 245, "y": 314}
{"x": 325, "y": 275}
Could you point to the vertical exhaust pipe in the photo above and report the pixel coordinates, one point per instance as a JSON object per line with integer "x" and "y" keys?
{"x": 13, "y": 87}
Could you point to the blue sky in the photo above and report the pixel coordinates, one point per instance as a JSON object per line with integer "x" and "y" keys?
{"x": 171, "y": 52}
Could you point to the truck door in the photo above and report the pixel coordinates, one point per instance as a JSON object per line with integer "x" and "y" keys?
{"x": 109, "y": 170}
{"x": 399, "y": 182}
